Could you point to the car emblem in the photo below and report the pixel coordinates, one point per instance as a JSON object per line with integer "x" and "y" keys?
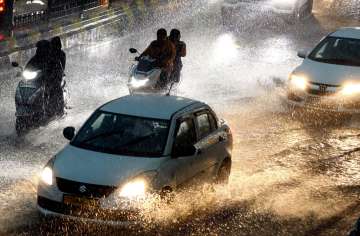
{"x": 322, "y": 88}
{"x": 82, "y": 189}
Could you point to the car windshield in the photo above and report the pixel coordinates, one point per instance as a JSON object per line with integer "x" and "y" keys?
{"x": 340, "y": 51}
{"x": 123, "y": 135}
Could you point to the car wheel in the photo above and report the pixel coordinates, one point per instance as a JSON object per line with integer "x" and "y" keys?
{"x": 223, "y": 174}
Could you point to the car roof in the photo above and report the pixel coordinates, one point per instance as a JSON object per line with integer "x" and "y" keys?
{"x": 150, "y": 106}
{"x": 347, "y": 32}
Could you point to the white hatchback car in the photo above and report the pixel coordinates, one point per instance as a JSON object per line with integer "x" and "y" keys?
{"x": 329, "y": 77}
{"x": 235, "y": 11}
{"x": 131, "y": 147}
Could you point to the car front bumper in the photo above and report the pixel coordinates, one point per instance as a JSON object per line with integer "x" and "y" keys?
{"x": 322, "y": 103}
{"x": 50, "y": 208}
{"x": 50, "y": 202}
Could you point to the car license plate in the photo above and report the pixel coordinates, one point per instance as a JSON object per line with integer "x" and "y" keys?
{"x": 80, "y": 201}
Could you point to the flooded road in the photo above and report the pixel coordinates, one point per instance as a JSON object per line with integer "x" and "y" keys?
{"x": 292, "y": 174}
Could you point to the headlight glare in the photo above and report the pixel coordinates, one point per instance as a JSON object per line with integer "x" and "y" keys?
{"x": 29, "y": 75}
{"x": 298, "y": 82}
{"x": 350, "y": 89}
{"x": 47, "y": 175}
{"x": 136, "y": 83}
{"x": 134, "y": 189}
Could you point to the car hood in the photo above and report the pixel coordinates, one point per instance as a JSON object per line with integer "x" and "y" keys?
{"x": 324, "y": 73}
{"x": 91, "y": 167}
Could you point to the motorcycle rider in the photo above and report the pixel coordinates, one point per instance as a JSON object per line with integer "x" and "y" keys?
{"x": 58, "y": 64}
{"x": 163, "y": 51}
{"x": 40, "y": 61}
{"x": 180, "y": 47}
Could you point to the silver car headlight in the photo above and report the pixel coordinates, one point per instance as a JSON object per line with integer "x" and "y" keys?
{"x": 47, "y": 174}
{"x": 298, "y": 82}
{"x": 137, "y": 187}
{"x": 350, "y": 89}
{"x": 29, "y": 75}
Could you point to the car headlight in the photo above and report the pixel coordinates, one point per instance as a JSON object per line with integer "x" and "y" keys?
{"x": 134, "y": 189}
{"x": 137, "y": 187}
{"x": 298, "y": 82}
{"x": 47, "y": 173}
{"x": 136, "y": 83}
{"x": 351, "y": 89}
{"x": 29, "y": 75}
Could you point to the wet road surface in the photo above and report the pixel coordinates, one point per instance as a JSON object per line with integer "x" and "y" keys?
{"x": 292, "y": 175}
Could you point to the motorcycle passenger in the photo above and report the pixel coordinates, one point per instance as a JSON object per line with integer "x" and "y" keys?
{"x": 163, "y": 51}
{"x": 180, "y": 47}
{"x": 58, "y": 64}
{"x": 57, "y": 51}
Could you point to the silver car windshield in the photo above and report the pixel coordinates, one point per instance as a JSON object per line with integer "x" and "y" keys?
{"x": 123, "y": 135}
{"x": 340, "y": 51}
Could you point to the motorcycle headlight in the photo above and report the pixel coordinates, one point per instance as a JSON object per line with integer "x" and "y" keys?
{"x": 351, "y": 89}
{"x": 137, "y": 187}
{"x": 298, "y": 82}
{"x": 47, "y": 173}
{"x": 136, "y": 83}
{"x": 283, "y": 2}
{"x": 29, "y": 75}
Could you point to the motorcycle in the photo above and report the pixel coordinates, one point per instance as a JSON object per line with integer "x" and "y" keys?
{"x": 32, "y": 104}
{"x": 144, "y": 77}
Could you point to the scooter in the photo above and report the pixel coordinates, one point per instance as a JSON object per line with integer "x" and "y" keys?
{"x": 144, "y": 77}
{"x": 30, "y": 99}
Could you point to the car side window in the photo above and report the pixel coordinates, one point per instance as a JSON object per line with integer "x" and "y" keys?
{"x": 203, "y": 125}
{"x": 186, "y": 135}
{"x": 213, "y": 122}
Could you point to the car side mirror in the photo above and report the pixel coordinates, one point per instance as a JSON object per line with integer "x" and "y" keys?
{"x": 14, "y": 64}
{"x": 133, "y": 50}
{"x": 69, "y": 133}
{"x": 302, "y": 54}
{"x": 184, "y": 151}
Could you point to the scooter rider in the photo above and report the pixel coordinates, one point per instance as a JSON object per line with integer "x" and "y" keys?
{"x": 58, "y": 64}
{"x": 40, "y": 61}
{"x": 163, "y": 51}
{"x": 180, "y": 46}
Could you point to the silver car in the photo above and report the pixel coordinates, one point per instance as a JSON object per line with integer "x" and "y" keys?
{"x": 234, "y": 12}
{"x": 132, "y": 147}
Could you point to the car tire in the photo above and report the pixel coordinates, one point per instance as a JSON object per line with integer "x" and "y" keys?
{"x": 223, "y": 174}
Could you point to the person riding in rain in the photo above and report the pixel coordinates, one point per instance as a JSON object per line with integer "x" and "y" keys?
{"x": 163, "y": 51}
{"x": 58, "y": 64}
{"x": 180, "y": 46}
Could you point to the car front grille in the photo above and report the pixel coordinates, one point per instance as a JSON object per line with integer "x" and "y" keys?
{"x": 84, "y": 189}
{"x": 322, "y": 89}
